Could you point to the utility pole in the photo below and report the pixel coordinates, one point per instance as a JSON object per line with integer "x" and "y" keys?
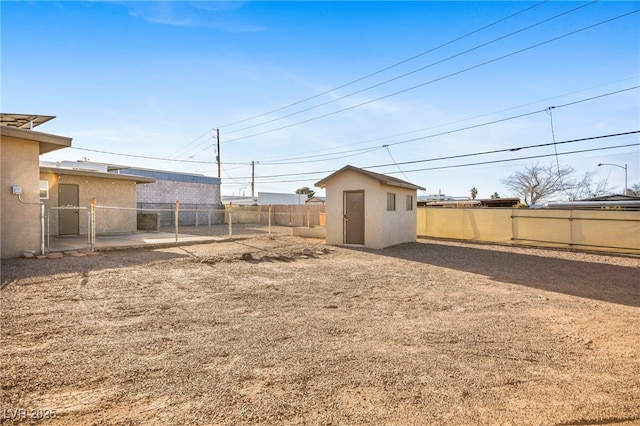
{"x": 218, "y": 154}
{"x": 253, "y": 178}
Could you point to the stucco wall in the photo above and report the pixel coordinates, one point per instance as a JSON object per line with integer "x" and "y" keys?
{"x": 382, "y": 228}
{"x": 603, "y": 229}
{"x": 107, "y": 192}
{"x": 399, "y": 226}
{"x": 20, "y": 223}
{"x": 480, "y": 224}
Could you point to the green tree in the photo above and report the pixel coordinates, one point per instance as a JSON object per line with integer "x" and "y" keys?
{"x": 306, "y": 190}
{"x": 474, "y": 193}
{"x": 495, "y": 196}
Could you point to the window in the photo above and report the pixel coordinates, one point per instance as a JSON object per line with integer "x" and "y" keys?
{"x": 391, "y": 202}
{"x": 44, "y": 190}
{"x": 409, "y": 202}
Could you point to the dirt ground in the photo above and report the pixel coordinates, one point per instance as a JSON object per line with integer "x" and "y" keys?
{"x": 431, "y": 332}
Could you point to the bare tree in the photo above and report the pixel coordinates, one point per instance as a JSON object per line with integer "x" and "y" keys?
{"x": 580, "y": 189}
{"x": 538, "y": 183}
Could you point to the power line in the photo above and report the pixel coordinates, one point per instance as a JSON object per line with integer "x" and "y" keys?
{"x": 462, "y": 120}
{"x": 175, "y": 153}
{"x": 513, "y": 117}
{"x": 521, "y": 158}
{"x": 505, "y": 119}
{"x": 439, "y": 78}
{"x": 353, "y": 153}
{"x": 475, "y": 164}
{"x": 394, "y": 161}
{"x": 141, "y": 156}
{"x": 146, "y": 157}
{"x": 363, "y": 150}
{"x": 413, "y": 71}
{"x": 497, "y": 151}
{"x": 387, "y": 68}
{"x": 451, "y": 157}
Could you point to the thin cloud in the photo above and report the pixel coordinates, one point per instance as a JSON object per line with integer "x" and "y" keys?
{"x": 223, "y": 16}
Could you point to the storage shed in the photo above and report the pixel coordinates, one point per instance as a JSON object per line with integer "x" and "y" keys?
{"x": 75, "y": 184}
{"x": 369, "y": 209}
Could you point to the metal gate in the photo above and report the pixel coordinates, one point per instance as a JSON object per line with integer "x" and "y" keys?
{"x": 58, "y": 240}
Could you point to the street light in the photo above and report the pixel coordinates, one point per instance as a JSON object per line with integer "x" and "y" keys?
{"x": 625, "y": 173}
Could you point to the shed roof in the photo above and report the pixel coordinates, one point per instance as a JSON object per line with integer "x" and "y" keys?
{"x": 384, "y": 179}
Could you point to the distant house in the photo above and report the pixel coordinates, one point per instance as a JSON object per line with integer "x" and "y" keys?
{"x": 613, "y": 197}
{"x": 483, "y": 202}
{"x": 21, "y": 209}
{"x": 266, "y": 199}
{"x": 615, "y": 201}
{"x": 315, "y": 200}
{"x": 369, "y": 209}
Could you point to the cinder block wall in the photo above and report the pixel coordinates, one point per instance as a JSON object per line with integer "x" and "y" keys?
{"x": 185, "y": 192}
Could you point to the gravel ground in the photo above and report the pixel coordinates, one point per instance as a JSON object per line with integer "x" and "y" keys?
{"x": 431, "y": 332}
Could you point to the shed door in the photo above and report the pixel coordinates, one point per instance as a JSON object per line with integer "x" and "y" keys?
{"x": 69, "y": 220}
{"x": 353, "y": 217}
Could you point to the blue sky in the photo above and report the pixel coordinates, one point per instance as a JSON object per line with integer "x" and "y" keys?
{"x": 304, "y": 88}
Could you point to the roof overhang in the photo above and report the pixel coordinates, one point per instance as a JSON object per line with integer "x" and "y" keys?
{"x": 383, "y": 179}
{"x": 24, "y": 121}
{"x": 88, "y": 173}
{"x": 46, "y": 141}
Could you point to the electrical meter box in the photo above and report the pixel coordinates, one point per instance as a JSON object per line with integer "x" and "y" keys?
{"x": 16, "y": 190}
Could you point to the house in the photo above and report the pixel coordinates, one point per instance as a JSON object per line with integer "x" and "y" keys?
{"x": 277, "y": 198}
{"x": 21, "y": 211}
{"x": 315, "y": 200}
{"x": 468, "y": 203}
{"x": 69, "y": 184}
{"x": 369, "y": 209}
{"x": 265, "y": 199}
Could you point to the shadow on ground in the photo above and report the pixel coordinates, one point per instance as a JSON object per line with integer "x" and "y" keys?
{"x": 41, "y": 270}
{"x": 598, "y": 281}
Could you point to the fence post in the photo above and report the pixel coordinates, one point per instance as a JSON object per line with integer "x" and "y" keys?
{"x": 49, "y": 231}
{"x": 177, "y": 212}
{"x": 269, "y": 219}
{"x": 230, "y": 220}
{"x": 94, "y": 203}
{"x": 42, "y": 250}
{"x": 308, "y": 217}
{"x": 88, "y": 227}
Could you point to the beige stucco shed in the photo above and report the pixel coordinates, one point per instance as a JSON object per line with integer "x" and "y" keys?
{"x": 369, "y": 209}
{"x": 115, "y": 195}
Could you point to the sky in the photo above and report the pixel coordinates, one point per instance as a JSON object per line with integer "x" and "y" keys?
{"x": 446, "y": 95}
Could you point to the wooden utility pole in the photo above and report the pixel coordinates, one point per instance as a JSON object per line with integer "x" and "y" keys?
{"x": 218, "y": 154}
{"x": 253, "y": 177}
